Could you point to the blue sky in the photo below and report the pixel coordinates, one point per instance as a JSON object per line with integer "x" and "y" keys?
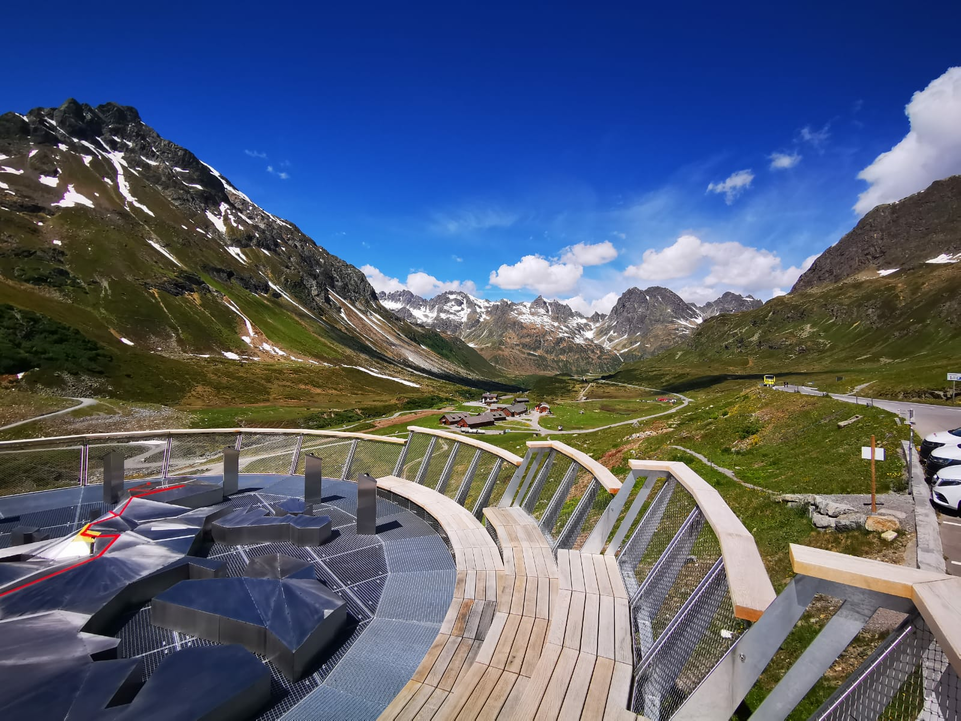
{"x": 535, "y": 149}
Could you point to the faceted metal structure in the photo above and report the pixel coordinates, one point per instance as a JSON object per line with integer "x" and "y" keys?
{"x": 292, "y": 507}
{"x": 231, "y": 471}
{"x": 112, "y": 477}
{"x": 289, "y": 620}
{"x": 255, "y": 526}
{"x": 366, "y": 505}
{"x": 313, "y": 480}
{"x": 277, "y": 565}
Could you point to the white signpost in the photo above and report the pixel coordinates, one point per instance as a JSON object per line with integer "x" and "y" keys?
{"x": 873, "y": 453}
{"x": 954, "y": 378}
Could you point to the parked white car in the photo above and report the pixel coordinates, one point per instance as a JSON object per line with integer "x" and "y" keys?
{"x": 942, "y": 457}
{"x": 946, "y": 491}
{"x": 937, "y": 440}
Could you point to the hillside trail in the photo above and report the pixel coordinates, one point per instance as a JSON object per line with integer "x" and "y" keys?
{"x": 84, "y": 402}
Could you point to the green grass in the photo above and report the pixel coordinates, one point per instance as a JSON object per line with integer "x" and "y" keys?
{"x": 593, "y": 414}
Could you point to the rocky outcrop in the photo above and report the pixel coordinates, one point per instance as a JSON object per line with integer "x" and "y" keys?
{"x": 730, "y": 303}
{"x": 899, "y": 235}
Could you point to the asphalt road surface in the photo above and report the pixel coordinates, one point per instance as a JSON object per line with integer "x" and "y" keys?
{"x": 927, "y": 418}
{"x": 84, "y": 402}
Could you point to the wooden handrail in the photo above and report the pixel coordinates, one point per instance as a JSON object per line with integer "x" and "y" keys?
{"x": 501, "y": 453}
{"x": 936, "y": 595}
{"x": 198, "y": 431}
{"x": 751, "y": 589}
{"x": 602, "y": 474}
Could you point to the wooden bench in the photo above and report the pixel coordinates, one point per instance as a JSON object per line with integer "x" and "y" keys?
{"x": 471, "y": 611}
{"x": 586, "y": 666}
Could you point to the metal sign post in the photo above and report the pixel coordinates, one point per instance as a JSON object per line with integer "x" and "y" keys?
{"x": 954, "y": 378}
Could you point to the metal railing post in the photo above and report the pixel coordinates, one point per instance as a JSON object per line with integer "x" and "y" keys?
{"x": 425, "y": 463}
{"x": 484, "y": 499}
{"x": 295, "y": 459}
{"x": 530, "y": 500}
{"x": 572, "y": 528}
{"x": 448, "y": 469}
{"x": 166, "y": 461}
{"x": 350, "y": 460}
{"x": 531, "y": 459}
{"x": 402, "y": 458}
{"x": 637, "y": 544}
{"x": 465, "y": 484}
{"x": 553, "y": 509}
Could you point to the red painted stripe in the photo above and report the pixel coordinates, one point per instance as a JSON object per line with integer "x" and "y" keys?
{"x": 112, "y": 536}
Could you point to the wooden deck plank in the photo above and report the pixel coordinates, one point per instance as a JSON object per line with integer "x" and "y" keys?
{"x": 416, "y": 703}
{"x": 509, "y": 710}
{"x": 443, "y": 660}
{"x": 543, "y": 608}
{"x": 481, "y": 694}
{"x": 396, "y": 706}
{"x": 617, "y": 697}
{"x": 575, "y": 621}
{"x": 601, "y": 574}
{"x": 614, "y": 573}
{"x": 623, "y": 647}
{"x": 577, "y": 573}
{"x": 502, "y": 652}
{"x": 535, "y": 646}
{"x": 577, "y": 688}
{"x": 499, "y": 696}
{"x": 434, "y": 702}
{"x": 430, "y": 658}
{"x": 550, "y": 705}
{"x": 492, "y": 639}
{"x": 462, "y": 690}
{"x": 558, "y": 621}
{"x": 515, "y": 658}
{"x": 596, "y": 700}
{"x": 590, "y": 579}
{"x": 531, "y": 699}
{"x": 461, "y": 622}
{"x": 589, "y": 628}
{"x": 455, "y": 665}
{"x": 606, "y": 631}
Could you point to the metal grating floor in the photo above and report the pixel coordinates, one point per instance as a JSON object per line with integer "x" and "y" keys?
{"x": 397, "y": 585}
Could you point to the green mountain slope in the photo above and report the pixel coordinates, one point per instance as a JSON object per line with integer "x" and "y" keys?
{"x": 159, "y": 261}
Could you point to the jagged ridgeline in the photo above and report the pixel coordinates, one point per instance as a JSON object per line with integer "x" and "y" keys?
{"x": 548, "y": 336}
{"x": 173, "y": 282}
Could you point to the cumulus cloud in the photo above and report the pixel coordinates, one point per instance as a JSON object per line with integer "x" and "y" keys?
{"x": 473, "y": 219}
{"x": 255, "y": 154}
{"x": 817, "y": 138}
{"x": 586, "y": 254}
{"x": 589, "y": 307}
{"x": 418, "y": 283}
{"x": 783, "y": 161}
{"x": 931, "y": 149}
{"x": 735, "y": 184}
{"x": 728, "y": 264}
{"x": 539, "y": 274}
{"x": 699, "y": 294}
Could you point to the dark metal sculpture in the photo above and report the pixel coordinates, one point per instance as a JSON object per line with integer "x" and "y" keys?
{"x": 313, "y": 480}
{"x": 255, "y": 526}
{"x": 192, "y": 493}
{"x": 112, "y": 477}
{"x": 289, "y": 620}
{"x": 231, "y": 471}
{"x": 277, "y": 565}
{"x": 27, "y": 534}
{"x": 366, "y": 505}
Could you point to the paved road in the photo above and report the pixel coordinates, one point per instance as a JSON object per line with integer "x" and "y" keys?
{"x": 927, "y": 418}
{"x": 84, "y": 402}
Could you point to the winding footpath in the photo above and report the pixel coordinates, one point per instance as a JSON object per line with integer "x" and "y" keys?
{"x": 84, "y": 402}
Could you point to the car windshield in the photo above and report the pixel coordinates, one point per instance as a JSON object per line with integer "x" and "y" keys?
{"x": 955, "y": 432}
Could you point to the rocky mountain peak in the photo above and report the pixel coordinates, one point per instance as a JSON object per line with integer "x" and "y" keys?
{"x": 729, "y": 303}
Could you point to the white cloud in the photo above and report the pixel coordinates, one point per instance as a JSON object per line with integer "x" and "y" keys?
{"x": 427, "y": 286}
{"x": 698, "y": 294}
{"x": 418, "y": 283}
{"x": 729, "y": 264}
{"x": 783, "y": 161}
{"x": 472, "y": 219}
{"x": 622, "y": 236}
{"x": 586, "y": 254}
{"x": 380, "y": 281}
{"x": 255, "y": 154}
{"x": 675, "y": 261}
{"x": 280, "y": 174}
{"x": 539, "y": 274}
{"x": 735, "y": 184}
{"x": 589, "y": 307}
{"x": 817, "y": 138}
{"x": 931, "y": 149}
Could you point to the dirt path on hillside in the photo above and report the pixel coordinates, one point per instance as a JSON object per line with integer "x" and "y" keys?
{"x": 396, "y": 420}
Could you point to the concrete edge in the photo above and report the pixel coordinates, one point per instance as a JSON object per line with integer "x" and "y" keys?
{"x": 930, "y": 552}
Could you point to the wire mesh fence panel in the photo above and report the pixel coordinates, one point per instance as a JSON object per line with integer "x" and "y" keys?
{"x": 700, "y": 634}
{"x": 375, "y": 457}
{"x": 599, "y": 503}
{"x": 199, "y": 454}
{"x": 692, "y": 569}
{"x": 332, "y": 452}
{"x": 417, "y": 446}
{"x": 907, "y": 677}
{"x": 142, "y": 458}
{"x": 267, "y": 453}
{"x": 443, "y": 447}
{"x": 39, "y": 469}
{"x": 485, "y": 464}
{"x": 454, "y": 468}
{"x": 636, "y": 564}
{"x": 545, "y": 486}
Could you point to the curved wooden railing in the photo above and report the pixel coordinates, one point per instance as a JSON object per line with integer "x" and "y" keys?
{"x": 501, "y": 453}
{"x": 86, "y": 437}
